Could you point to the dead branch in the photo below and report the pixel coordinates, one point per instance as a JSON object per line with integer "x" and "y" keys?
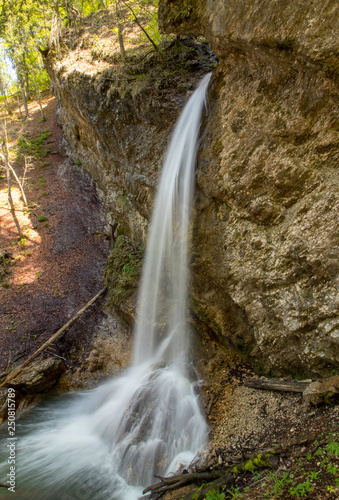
{"x": 2, "y": 485}
{"x": 277, "y": 385}
{"x": 52, "y": 339}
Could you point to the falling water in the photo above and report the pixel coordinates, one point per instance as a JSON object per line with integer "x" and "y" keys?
{"x": 108, "y": 443}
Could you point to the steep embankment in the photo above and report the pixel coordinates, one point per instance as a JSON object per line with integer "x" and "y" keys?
{"x": 265, "y": 244}
{"x": 266, "y": 236}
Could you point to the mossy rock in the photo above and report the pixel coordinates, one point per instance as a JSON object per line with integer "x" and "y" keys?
{"x": 123, "y": 270}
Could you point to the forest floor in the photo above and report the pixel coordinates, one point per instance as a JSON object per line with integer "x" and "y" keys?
{"x": 58, "y": 264}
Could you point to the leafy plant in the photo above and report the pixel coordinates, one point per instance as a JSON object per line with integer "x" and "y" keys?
{"x": 235, "y": 493}
{"x": 301, "y": 489}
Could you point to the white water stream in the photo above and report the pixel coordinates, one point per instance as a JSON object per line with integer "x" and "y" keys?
{"x": 108, "y": 443}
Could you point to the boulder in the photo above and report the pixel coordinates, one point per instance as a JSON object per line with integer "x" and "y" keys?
{"x": 322, "y": 391}
{"x": 39, "y": 376}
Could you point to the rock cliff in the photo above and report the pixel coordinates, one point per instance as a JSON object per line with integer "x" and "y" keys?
{"x": 265, "y": 238}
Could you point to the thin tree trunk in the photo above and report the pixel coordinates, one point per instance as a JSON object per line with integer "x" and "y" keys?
{"x": 19, "y": 104}
{"x": 26, "y": 75}
{"x": 120, "y": 30}
{"x": 22, "y": 86}
{"x": 3, "y": 92}
{"x": 9, "y": 194}
{"x": 17, "y": 178}
{"x": 140, "y": 26}
{"x": 38, "y": 96}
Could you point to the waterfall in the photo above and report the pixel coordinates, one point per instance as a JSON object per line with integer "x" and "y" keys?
{"x": 108, "y": 443}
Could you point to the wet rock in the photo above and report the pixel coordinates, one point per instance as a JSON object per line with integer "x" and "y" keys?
{"x": 39, "y": 376}
{"x": 322, "y": 391}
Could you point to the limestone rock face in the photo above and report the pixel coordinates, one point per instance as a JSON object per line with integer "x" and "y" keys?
{"x": 266, "y": 233}
{"x": 117, "y": 118}
{"x": 265, "y": 245}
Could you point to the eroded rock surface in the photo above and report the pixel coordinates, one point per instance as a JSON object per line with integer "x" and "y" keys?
{"x": 40, "y": 376}
{"x": 266, "y": 238}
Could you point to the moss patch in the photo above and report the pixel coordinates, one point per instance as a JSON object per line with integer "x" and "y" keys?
{"x": 123, "y": 270}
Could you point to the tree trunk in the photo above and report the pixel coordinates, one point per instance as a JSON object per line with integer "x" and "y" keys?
{"x": 277, "y": 385}
{"x": 120, "y": 31}
{"x": 3, "y": 92}
{"x": 9, "y": 194}
{"x": 53, "y": 338}
{"x": 140, "y": 26}
{"x": 22, "y": 86}
{"x": 26, "y": 75}
{"x": 37, "y": 91}
{"x": 19, "y": 104}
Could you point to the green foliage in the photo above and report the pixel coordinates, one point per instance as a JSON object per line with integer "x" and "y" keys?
{"x": 235, "y": 493}
{"x": 30, "y": 27}
{"x": 33, "y": 146}
{"x": 42, "y": 218}
{"x": 215, "y": 495}
{"x": 333, "y": 448}
{"x": 301, "y": 489}
{"x": 123, "y": 270}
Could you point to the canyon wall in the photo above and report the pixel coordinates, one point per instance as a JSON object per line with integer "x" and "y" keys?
{"x": 266, "y": 236}
{"x": 265, "y": 245}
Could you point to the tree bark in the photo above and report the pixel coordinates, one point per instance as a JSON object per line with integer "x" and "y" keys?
{"x": 22, "y": 87}
{"x": 3, "y": 92}
{"x": 277, "y": 385}
{"x": 38, "y": 96}
{"x": 120, "y": 31}
{"x": 8, "y": 174}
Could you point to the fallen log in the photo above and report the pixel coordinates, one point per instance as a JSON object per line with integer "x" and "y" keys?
{"x": 180, "y": 480}
{"x": 226, "y": 476}
{"x": 277, "y": 385}
{"x": 54, "y": 337}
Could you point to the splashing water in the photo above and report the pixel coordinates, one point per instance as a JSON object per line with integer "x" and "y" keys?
{"x": 108, "y": 443}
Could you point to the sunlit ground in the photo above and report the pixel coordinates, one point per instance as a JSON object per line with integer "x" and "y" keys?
{"x": 20, "y": 249}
